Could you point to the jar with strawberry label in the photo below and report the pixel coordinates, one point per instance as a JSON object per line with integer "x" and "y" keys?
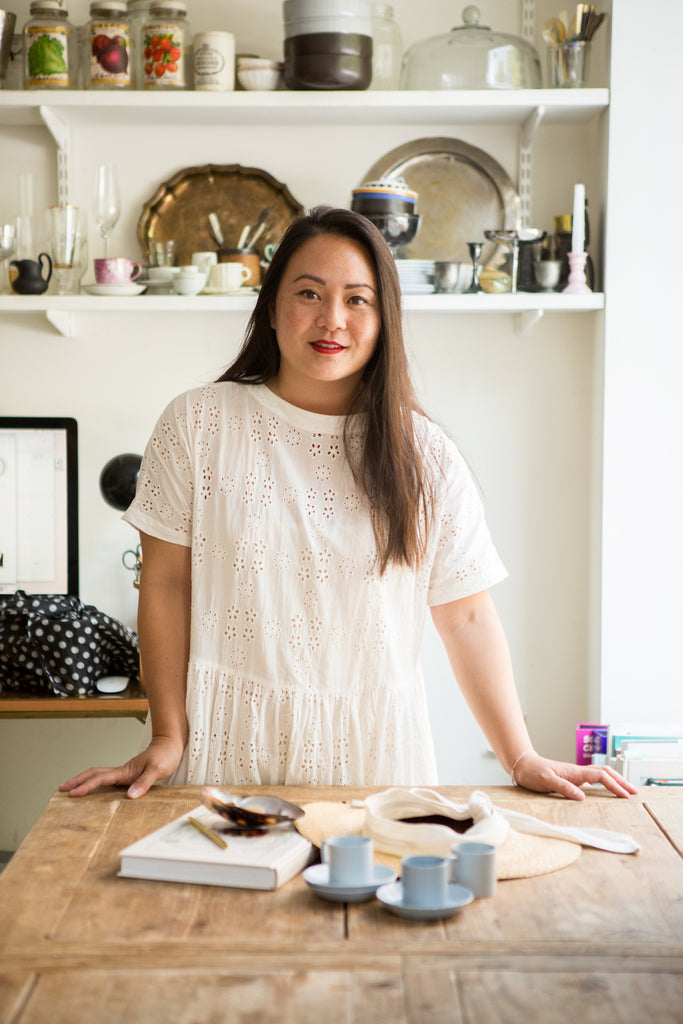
{"x": 107, "y": 49}
{"x": 166, "y": 39}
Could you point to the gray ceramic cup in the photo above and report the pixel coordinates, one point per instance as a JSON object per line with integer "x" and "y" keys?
{"x": 425, "y": 880}
{"x": 350, "y": 859}
{"x": 475, "y": 867}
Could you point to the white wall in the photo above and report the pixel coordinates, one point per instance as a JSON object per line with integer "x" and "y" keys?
{"x": 522, "y": 407}
{"x": 642, "y": 596}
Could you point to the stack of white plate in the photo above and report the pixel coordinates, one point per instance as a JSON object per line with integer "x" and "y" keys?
{"x": 416, "y": 276}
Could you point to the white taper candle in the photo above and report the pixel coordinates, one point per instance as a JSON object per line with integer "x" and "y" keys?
{"x": 579, "y": 219}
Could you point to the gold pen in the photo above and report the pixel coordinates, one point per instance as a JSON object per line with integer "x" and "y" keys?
{"x": 209, "y": 833}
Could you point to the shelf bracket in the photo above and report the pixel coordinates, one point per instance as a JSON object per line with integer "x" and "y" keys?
{"x": 526, "y": 148}
{"x": 525, "y": 321}
{"x": 59, "y": 131}
{"x": 62, "y": 320}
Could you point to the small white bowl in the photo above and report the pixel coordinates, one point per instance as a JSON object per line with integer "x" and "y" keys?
{"x": 162, "y": 275}
{"x": 188, "y": 284}
{"x": 255, "y": 78}
{"x": 257, "y": 62}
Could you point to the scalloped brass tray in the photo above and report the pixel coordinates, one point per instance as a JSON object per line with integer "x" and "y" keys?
{"x": 461, "y": 192}
{"x": 180, "y": 208}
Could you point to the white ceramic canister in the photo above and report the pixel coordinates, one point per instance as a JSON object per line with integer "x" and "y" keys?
{"x": 213, "y": 56}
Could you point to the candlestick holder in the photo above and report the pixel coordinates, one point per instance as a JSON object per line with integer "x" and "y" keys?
{"x": 577, "y": 275}
{"x": 474, "y": 249}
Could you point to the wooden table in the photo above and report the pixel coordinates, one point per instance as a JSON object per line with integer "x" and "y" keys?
{"x": 600, "y": 942}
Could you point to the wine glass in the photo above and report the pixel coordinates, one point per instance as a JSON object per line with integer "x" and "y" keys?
{"x": 107, "y": 201}
{"x": 8, "y": 245}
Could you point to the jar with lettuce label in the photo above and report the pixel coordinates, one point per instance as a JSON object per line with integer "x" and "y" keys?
{"x": 166, "y": 38}
{"x": 50, "y": 58}
{"x": 107, "y": 50}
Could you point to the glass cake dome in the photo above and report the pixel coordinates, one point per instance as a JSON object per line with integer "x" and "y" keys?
{"x": 471, "y": 56}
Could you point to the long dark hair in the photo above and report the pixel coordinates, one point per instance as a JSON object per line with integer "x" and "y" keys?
{"x": 389, "y": 467}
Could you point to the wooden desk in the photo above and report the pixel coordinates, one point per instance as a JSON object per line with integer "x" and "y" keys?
{"x": 131, "y": 703}
{"x": 599, "y": 942}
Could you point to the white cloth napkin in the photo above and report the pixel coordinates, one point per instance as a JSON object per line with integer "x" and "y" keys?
{"x": 490, "y": 824}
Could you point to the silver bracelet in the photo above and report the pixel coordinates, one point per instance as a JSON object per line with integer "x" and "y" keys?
{"x": 512, "y": 770}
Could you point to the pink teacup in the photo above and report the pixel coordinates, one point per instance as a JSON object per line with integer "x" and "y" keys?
{"x": 116, "y": 270}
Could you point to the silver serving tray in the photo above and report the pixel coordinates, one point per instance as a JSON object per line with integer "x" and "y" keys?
{"x": 462, "y": 191}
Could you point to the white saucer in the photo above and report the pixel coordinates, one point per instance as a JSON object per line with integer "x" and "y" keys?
{"x": 210, "y": 290}
{"x": 115, "y": 289}
{"x": 392, "y": 897}
{"x": 317, "y": 877}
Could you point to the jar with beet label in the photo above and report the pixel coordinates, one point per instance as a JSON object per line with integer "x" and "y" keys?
{"x": 107, "y": 50}
{"x": 166, "y": 38}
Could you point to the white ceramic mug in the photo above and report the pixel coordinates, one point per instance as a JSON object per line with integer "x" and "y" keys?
{"x": 205, "y": 260}
{"x": 475, "y": 868}
{"x": 349, "y": 859}
{"x": 228, "y": 277}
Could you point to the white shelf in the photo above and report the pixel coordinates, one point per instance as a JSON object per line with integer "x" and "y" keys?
{"x": 524, "y": 108}
{"x": 62, "y": 310}
{"x": 302, "y": 108}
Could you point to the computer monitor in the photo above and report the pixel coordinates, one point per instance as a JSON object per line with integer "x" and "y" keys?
{"x": 38, "y": 505}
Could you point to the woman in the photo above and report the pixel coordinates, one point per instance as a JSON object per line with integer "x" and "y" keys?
{"x": 297, "y": 518}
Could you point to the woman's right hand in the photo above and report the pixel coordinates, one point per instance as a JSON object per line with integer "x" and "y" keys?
{"x": 159, "y": 760}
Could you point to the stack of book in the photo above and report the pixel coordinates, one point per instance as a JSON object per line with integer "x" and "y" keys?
{"x": 648, "y": 755}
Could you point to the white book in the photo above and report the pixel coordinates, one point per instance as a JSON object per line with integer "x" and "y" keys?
{"x": 178, "y": 852}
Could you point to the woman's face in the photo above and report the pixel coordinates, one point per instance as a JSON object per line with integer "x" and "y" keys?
{"x": 326, "y": 319}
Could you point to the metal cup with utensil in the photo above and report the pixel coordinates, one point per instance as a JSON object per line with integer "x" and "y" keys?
{"x": 7, "y": 24}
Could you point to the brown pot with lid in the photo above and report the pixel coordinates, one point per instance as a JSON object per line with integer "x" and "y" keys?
{"x": 328, "y": 44}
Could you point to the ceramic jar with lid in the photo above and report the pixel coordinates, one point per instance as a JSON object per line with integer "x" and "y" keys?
{"x": 50, "y": 58}
{"x": 471, "y": 56}
{"x": 166, "y": 40}
{"x": 107, "y": 52}
{"x": 328, "y": 44}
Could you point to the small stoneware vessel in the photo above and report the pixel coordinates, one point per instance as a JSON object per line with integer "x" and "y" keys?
{"x": 29, "y": 279}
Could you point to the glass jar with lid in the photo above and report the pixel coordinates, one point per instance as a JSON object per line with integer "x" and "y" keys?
{"x": 50, "y": 57}
{"x": 138, "y": 13}
{"x": 471, "y": 56}
{"x": 166, "y": 40}
{"x": 107, "y": 51}
{"x": 387, "y": 48}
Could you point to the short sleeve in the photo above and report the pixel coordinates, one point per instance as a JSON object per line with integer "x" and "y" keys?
{"x": 163, "y": 501}
{"x": 465, "y": 559}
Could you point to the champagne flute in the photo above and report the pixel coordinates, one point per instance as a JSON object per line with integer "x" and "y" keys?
{"x": 107, "y": 201}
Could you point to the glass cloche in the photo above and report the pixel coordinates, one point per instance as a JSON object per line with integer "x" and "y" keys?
{"x": 471, "y": 56}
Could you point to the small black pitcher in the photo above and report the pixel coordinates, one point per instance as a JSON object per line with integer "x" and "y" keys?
{"x": 29, "y": 279}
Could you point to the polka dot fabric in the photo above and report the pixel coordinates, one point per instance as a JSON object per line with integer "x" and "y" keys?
{"x": 56, "y": 644}
{"x": 304, "y": 662}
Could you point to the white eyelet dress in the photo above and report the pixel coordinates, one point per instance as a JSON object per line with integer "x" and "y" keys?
{"x": 303, "y": 660}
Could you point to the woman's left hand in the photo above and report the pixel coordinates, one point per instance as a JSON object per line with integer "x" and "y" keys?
{"x": 542, "y": 775}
